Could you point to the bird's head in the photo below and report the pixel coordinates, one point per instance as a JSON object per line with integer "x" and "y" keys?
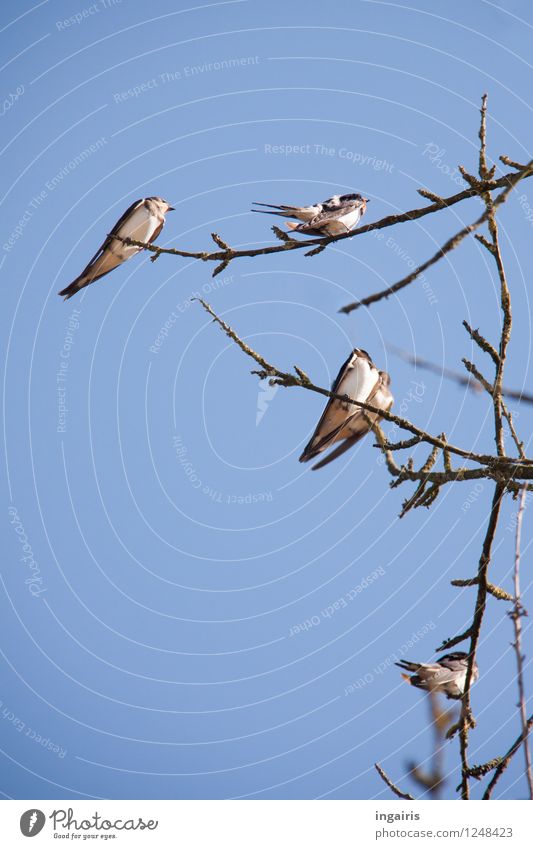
{"x": 356, "y": 198}
{"x": 162, "y": 204}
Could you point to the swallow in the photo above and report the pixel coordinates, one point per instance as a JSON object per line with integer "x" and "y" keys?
{"x": 342, "y": 422}
{"x": 334, "y": 216}
{"x": 447, "y": 675}
{"x": 142, "y": 221}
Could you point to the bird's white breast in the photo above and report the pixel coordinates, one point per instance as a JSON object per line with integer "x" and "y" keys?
{"x": 140, "y": 225}
{"x": 351, "y": 219}
{"x": 359, "y": 380}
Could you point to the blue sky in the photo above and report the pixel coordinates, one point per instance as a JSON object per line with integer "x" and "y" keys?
{"x": 176, "y": 546}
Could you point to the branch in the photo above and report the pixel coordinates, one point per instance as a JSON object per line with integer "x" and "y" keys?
{"x": 506, "y": 760}
{"x": 507, "y": 467}
{"x": 482, "y": 342}
{"x": 448, "y": 246}
{"x": 466, "y": 720}
{"x": 493, "y": 247}
{"x": 228, "y": 254}
{"x": 516, "y": 615}
{"x": 396, "y": 790}
{"x": 489, "y": 387}
{"x": 457, "y": 376}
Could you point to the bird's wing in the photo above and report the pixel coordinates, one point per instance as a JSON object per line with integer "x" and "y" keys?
{"x": 453, "y": 665}
{"x": 338, "y": 451}
{"x": 409, "y": 665}
{"x": 102, "y": 264}
{"x": 358, "y": 424}
{"x": 105, "y": 263}
{"x": 156, "y": 232}
{"x": 306, "y": 455}
{"x": 436, "y": 674}
{"x": 105, "y": 244}
{"x": 327, "y": 215}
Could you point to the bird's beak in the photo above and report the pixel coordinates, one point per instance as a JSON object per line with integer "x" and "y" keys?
{"x": 171, "y": 209}
{"x": 366, "y": 200}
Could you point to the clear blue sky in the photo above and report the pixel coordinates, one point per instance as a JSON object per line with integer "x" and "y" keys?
{"x": 174, "y": 540}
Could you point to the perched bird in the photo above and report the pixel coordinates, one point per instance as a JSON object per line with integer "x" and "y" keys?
{"x": 334, "y": 216}
{"x": 343, "y": 422}
{"x": 143, "y": 221}
{"x": 447, "y": 675}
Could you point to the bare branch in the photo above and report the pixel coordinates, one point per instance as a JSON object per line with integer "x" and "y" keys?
{"x": 448, "y": 246}
{"x": 484, "y": 587}
{"x": 435, "y": 368}
{"x": 396, "y": 790}
{"x": 466, "y": 720}
{"x": 482, "y": 342}
{"x": 457, "y": 376}
{"x": 511, "y": 163}
{"x": 485, "y": 173}
{"x": 489, "y": 387}
{"x": 506, "y": 760}
{"x": 516, "y": 615}
{"x": 301, "y": 244}
{"x": 508, "y": 467}
{"x": 480, "y": 770}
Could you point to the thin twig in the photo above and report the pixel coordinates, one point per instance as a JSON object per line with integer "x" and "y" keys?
{"x": 482, "y": 342}
{"x": 396, "y": 790}
{"x": 516, "y": 615}
{"x": 506, "y": 760}
{"x": 456, "y": 376}
{"x": 466, "y": 720}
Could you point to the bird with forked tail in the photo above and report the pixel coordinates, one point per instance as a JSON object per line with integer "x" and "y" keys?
{"x": 343, "y": 422}
{"x": 335, "y": 216}
{"x": 142, "y": 221}
{"x": 447, "y": 675}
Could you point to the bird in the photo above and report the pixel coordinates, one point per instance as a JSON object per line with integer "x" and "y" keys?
{"x": 142, "y": 221}
{"x": 447, "y": 675}
{"x": 337, "y": 215}
{"x": 343, "y": 422}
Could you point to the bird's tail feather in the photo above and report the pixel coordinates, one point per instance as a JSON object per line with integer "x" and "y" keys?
{"x": 406, "y": 664}
{"x": 339, "y": 450}
{"x": 274, "y": 205}
{"x": 271, "y": 212}
{"x": 415, "y": 681}
{"x": 73, "y": 287}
